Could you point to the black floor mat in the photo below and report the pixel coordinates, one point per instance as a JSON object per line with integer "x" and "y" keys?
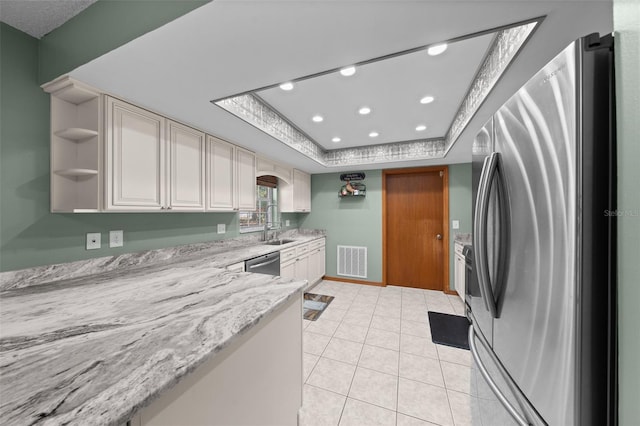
{"x": 450, "y": 330}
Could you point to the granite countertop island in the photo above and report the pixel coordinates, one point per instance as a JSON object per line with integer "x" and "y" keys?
{"x": 94, "y": 349}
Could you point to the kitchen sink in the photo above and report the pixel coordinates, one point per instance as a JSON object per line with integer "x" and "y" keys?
{"x": 278, "y": 242}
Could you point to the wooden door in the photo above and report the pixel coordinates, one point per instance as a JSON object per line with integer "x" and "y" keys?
{"x": 135, "y": 158}
{"x": 186, "y": 168}
{"x": 415, "y": 228}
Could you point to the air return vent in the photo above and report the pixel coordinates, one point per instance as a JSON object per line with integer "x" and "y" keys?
{"x": 352, "y": 261}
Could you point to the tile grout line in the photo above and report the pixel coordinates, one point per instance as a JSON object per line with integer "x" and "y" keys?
{"x": 356, "y": 369}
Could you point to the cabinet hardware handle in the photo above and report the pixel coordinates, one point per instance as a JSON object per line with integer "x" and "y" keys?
{"x": 169, "y": 208}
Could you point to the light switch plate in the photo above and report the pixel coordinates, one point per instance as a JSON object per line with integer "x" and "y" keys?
{"x": 455, "y": 224}
{"x": 287, "y": 223}
{"x": 116, "y": 238}
{"x": 222, "y": 228}
{"x": 93, "y": 240}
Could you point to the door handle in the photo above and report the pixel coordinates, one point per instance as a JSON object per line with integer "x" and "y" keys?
{"x": 487, "y": 377}
{"x": 491, "y": 169}
{"x": 264, "y": 263}
{"x": 439, "y": 237}
{"x": 481, "y": 259}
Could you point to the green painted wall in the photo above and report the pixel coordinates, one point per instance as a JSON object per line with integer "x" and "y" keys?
{"x": 29, "y": 234}
{"x": 626, "y": 23}
{"x": 353, "y": 221}
{"x": 358, "y": 221}
{"x": 101, "y": 28}
{"x": 460, "y": 199}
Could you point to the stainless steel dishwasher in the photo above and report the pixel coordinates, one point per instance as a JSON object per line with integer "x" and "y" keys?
{"x": 266, "y": 264}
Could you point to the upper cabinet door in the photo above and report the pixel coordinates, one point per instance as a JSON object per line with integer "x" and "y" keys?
{"x": 302, "y": 191}
{"x": 135, "y": 158}
{"x": 220, "y": 175}
{"x": 246, "y": 178}
{"x": 186, "y": 167}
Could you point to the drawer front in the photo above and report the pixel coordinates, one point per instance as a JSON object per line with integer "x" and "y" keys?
{"x": 314, "y": 245}
{"x": 302, "y": 250}
{"x": 287, "y": 255}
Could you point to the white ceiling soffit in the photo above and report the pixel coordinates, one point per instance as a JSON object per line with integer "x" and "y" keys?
{"x": 392, "y": 89}
{"x": 234, "y": 46}
{"x": 465, "y": 96}
{"x": 39, "y": 17}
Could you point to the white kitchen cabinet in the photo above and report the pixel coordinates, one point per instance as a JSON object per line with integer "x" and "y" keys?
{"x": 459, "y": 270}
{"x": 135, "y": 158}
{"x": 186, "y": 167}
{"x": 76, "y": 180}
{"x": 152, "y": 163}
{"x": 316, "y": 260}
{"x": 231, "y": 177}
{"x": 109, "y": 155}
{"x": 220, "y": 175}
{"x": 288, "y": 269}
{"x": 246, "y": 178}
{"x": 304, "y": 262}
{"x": 236, "y": 267}
{"x": 296, "y": 196}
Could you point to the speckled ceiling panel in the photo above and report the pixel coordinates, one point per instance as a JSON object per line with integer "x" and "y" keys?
{"x": 39, "y": 17}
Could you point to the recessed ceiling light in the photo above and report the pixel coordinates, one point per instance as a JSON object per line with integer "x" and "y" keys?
{"x": 364, "y": 110}
{"x": 348, "y": 71}
{"x": 373, "y": 134}
{"x": 437, "y": 49}
{"x": 421, "y": 127}
{"x": 317, "y": 118}
{"x": 287, "y": 86}
{"x": 336, "y": 139}
{"x": 427, "y": 100}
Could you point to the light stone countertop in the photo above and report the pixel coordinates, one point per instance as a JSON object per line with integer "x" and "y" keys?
{"x": 94, "y": 349}
{"x": 461, "y": 238}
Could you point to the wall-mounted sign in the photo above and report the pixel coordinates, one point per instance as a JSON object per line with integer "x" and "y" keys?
{"x": 352, "y": 187}
{"x": 347, "y": 177}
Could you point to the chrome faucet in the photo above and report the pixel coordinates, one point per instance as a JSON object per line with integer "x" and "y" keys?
{"x": 265, "y": 232}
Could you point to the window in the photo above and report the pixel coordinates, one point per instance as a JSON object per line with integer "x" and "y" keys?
{"x": 266, "y": 211}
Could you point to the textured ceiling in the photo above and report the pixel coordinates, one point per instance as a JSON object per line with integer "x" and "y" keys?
{"x": 39, "y": 17}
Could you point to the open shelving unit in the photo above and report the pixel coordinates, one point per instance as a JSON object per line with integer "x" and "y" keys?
{"x": 75, "y": 146}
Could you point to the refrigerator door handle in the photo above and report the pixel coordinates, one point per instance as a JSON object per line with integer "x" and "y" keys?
{"x": 481, "y": 259}
{"x": 487, "y": 377}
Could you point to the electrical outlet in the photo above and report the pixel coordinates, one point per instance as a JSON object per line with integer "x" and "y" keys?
{"x": 287, "y": 223}
{"x": 116, "y": 238}
{"x": 222, "y": 228}
{"x": 93, "y": 240}
{"x": 455, "y": 224}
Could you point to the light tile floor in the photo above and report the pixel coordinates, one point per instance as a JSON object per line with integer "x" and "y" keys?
{"x": 369, "y": 360}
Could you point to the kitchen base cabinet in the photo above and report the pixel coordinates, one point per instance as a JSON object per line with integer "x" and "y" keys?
{"x": 316, "y": 260}
{"x": 257, "y": 380}
{"x": 304, "y": 262}
{"x": 459, "y": 270}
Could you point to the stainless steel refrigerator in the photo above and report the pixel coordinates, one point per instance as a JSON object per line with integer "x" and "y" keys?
{"x": 541, "y": 299}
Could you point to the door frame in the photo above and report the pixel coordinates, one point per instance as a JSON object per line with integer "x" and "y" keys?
{"x": 445, "y": 217}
